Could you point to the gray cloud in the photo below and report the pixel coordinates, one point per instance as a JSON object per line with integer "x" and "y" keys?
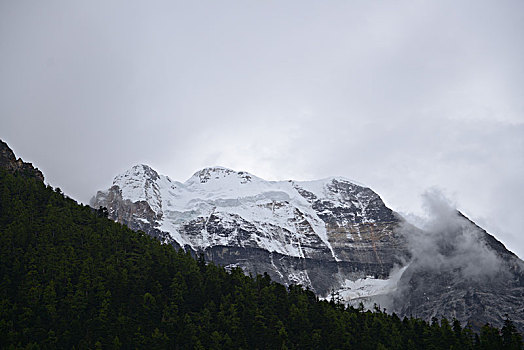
{"x": 401, "y": 96}
{"x": 449, "y": 242}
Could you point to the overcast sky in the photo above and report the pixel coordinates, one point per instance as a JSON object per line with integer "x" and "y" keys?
{"x": 399, "y": 95}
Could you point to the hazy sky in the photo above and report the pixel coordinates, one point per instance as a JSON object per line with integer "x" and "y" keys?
{"x": 399, "y": 95}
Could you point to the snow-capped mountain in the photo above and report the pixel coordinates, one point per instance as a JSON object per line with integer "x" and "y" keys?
{"x": 334, "y": 236}
{"x": 239, "y": 219}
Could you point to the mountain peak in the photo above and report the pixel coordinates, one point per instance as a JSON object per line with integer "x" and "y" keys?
{"x": 344, "y": 180}
{"x": 139, "y": 183}
{"x": 138, "y": 171}
{"x": 218, "y": 172}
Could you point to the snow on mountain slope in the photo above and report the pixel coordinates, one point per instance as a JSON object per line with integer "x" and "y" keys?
{"x": 329, "y": 220}
{"x": 276, "y": 208}
{"x": 141, "y": 183}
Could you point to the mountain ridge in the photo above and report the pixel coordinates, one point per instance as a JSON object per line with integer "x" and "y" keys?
{"x": 222, "y": 207}
{"x": 331, "y": 235}
{"x": 142, "y": 183}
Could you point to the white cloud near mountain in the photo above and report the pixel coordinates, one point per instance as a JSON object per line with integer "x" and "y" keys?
{"x": 449, "y": 242}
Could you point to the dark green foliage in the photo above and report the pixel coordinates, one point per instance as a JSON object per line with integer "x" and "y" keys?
{"x": 71, "y": 278}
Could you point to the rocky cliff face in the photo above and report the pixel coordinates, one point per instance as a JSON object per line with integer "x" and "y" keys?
{"x": 466, "y": 274}
{"x": 332, "y": 236}
{"x": 316, "y": 233}
{"x": 9, "y": 162}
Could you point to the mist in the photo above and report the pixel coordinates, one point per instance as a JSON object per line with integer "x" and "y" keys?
{"x": 444, "y": 240}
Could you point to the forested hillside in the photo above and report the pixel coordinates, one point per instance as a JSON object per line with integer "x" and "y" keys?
{"x": 71, "y": 278}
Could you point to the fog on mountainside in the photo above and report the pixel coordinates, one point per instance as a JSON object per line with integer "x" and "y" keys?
{"x": 448, "y": 241}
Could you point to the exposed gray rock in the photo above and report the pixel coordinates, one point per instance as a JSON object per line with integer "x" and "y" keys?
{"x": 329, "y": 235}
{"x": 9, "y": 162}
{"x": 486, "y": 288}
{"x": 312, "y": 233}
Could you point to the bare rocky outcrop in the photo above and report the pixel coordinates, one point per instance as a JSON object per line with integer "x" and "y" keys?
{"x": 9, "y": 162}
{"x": 136, "y": 215}
{"x": 485, "y": 288}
